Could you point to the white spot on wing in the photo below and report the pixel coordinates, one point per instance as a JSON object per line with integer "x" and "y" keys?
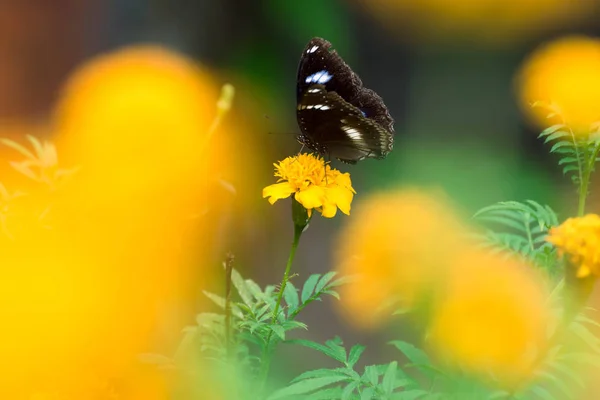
{"x": 312, "y": 49}
{"x": 352, "y": 133}
{"x": 320, "y": 77}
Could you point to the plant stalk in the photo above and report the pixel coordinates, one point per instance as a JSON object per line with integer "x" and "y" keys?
{"x": 267, "y": 350}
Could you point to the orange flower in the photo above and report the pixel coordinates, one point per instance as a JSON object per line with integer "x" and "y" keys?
{"x": 395, "y": 246}
{"x": 314, "y": 184}
{"x": 491, "y": 318}
{"x": 579, "y": 239}
{"x": 563, "y": 74}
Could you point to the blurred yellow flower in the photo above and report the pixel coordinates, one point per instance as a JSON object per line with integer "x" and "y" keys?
{"x": 579, "y": 239}
{"x": 397, "y": 246}
{"x": 564, "y": 75}
{"x": 483, "y": 21}
{"x": 113, "y": 267}
{"x": 314, "y": 184}
{"x": 491, "y": 318}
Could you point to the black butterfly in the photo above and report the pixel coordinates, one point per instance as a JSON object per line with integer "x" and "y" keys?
{"x": 337, "y": 116}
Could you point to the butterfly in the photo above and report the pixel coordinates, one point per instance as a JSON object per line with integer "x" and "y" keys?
{"x": 336, "y": 114}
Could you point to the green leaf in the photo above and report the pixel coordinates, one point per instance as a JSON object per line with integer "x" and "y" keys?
{"x": 567, "y": 371}
{"x": 389, "y": 378}
{"x": 309, "y": 287}
{"x": 335, "y": 344}
{"x": 556, "y": 135}
{"x": 320, "y": 373}
{"x": 415, "y": 355}
{"x": 218, "y": 300}
{"x": 372, "y": 374}
{"x": 584, "y": 334}
{"x": 349, "y": 390}
{"x": 324, "y": 281}
{"x": 241, "y": 287}
{"x": 254, "y": 289}
{"x": 290, "y": 294}
{"x": 550, "y": 130}
{"x": 326, "y": 394}
{"x": 278, "y": 330}
{"x": 567, "y": 160}
{"x": 306, "y": 386}
{"x": 320, "y": 348}
{"x": 410, "y": 394}
{"x": 557, "y": 382}
{"x": 367, "y": 394}
{"x": 355, "y": 353}
{"x": 542, "y": 393}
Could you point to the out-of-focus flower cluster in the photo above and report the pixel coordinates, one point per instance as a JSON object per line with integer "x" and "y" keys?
{"x": 98, "y": 225}
{"x": 314, "y": 184}
{"x": 408, "y": 250}
{"x": 579, "y": 240}
{"x": 484, "y": 21}
{"x": 562, "y": 76}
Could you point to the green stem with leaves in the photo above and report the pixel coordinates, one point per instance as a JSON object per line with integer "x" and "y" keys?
{"x": 299, "y": 226}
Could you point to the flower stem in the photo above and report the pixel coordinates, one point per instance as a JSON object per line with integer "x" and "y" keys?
{"x": 267, "y": 349}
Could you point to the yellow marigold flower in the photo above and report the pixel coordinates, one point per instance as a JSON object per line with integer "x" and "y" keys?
{"x": 314, "y": 184}
{"x": 395, "y": 246}
{"x": 563, "y": 74}
{"x": 579, "y": 238}
{"x": 491, "y": 317}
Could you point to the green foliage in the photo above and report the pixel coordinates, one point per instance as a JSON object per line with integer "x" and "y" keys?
{"x": 386, "y": 381}
{"x": 521, "y": 229}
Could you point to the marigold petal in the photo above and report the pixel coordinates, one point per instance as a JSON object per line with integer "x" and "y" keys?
{"x": 312, "y": 197}
{"x": 329, "y": 210}
{"x": 278, "y": 191}
{"x": 342, "y": 197}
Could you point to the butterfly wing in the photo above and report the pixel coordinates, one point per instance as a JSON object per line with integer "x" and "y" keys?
{"x": 320, "y": 64}
{"x": 330, "y": 125}
{"x": 336, "y": 114}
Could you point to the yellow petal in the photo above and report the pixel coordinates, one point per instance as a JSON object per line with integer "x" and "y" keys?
{"x": 311, "y": 197}
{"x": 278, "y": 191}
{"x": 329, "y": 210}
{"x": 341, "y": 197}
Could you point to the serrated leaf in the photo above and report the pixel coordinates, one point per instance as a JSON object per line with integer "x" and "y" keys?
{"x": 241, "y": 287}
{"x": 567, "y": 160}
{"x": 367, "y": 394}
{"x": 320, "y": 348}
{"x": 560, "y": 144}
{"x": 290, "y": 294}
{"x": 389, "y": 378}
{"x": 324, "y": 281}
{"x": 550, "y": 130}
{"x": 320, "y": 373}
{"x": 372, "y": 374}
{"x": 556, "y": 135}
{"x": 348, "y": 391}
{"x": 306, "y": 386}
{"x": 309, "y": 287}
{"x": 354, "y": 355}
{"x": 278, "y": 330}
{"x": 414, "y": 354}
{"x": 254, "y": 289}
